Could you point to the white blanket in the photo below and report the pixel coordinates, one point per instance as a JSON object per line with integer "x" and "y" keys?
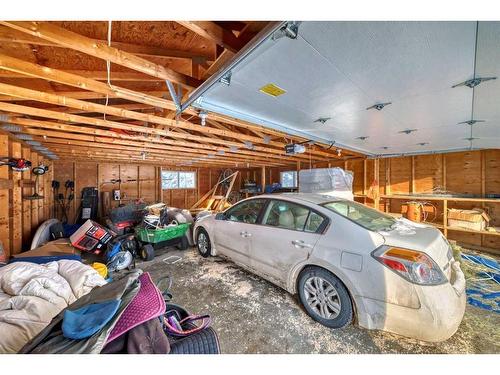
{"x": 32, "y": 294}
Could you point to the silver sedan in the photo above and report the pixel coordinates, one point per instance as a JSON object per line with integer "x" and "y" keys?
{"x": 346, "y": 261}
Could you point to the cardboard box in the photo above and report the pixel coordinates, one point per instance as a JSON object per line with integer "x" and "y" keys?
{"x": 91, "y": 237}
{"x": 58, "y": 247}
{"x": 475, "y": 219}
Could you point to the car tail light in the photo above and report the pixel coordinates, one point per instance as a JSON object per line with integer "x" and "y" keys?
{"x": 412, "y": 265}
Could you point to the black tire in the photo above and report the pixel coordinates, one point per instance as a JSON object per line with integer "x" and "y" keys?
{"x": 147, "y": 252}
{"x": 184, "y": 244}
{"x": 341, "y": 299}
{"x": 205, "y": 251}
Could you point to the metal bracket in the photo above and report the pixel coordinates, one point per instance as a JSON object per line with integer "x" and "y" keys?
{"x": 322, "y": 120}
{"x": 226, "y": 79}
{"x": 289, "y": 30}
{"x": 471, "y": 83}
{"x": 175, "y": 96}
{"x": 470, "y": 122}
{"x": 379, "y": 106}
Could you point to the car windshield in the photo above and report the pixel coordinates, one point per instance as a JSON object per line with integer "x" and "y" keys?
{"x": 366, "y": 217}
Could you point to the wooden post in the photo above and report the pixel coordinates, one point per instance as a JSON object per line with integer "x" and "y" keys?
{"x": 412, "y": 177}
{"x": 4, "y": 200}
{"x": 263, "y": 179}
{"x": 376, "y": 172}
{"x": 298, "y": 170}
{"x": 16, "y": 223}
{"x": 26, "y": 204}
{"x": 387, "y": 183}
{"x": 445, "y": 217}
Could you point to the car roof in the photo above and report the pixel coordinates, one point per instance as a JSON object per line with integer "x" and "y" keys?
{"x": 303, "y": 197}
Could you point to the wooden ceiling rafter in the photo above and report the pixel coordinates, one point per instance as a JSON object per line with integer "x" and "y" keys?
{"x": 100, "y": 49}
{"x": 75, "y": 103}
{"x": 67, "y": 130}
{"x": 100, "y": 143}
{"x": 8, "y": 35}
{"x": 139, "y": 109}
{"x": 214, "y": 33}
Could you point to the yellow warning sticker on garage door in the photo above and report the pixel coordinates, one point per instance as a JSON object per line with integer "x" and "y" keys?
{"x": 272, "y": 89}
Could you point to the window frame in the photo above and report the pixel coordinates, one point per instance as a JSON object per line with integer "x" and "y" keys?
{"x": 178, "y": 180}
{"x": 295, "y": 179}
{"x": 348, "y": 218}
{"x": 259, "y": 216}
{"x": 321, "y": 229}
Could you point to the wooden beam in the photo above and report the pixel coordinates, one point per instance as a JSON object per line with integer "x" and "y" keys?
{"x": 93, "y": 107}
{"x": 8, "y": 107}
{"x": 9, "y": 35}
{"x": 214, "y": 33}
{"x": 88, "y": 134}
{"x": 100, "y": 50}
{"x": 16, "y": 65}
{"x": 100, "y": 75}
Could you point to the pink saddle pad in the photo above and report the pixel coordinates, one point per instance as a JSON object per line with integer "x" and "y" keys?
{"x": 146, "y": 305}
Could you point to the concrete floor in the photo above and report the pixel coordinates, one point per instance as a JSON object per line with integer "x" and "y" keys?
{"x": 252, "y": 315}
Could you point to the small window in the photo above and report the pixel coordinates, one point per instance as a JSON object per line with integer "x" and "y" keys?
{"x": 178, "y": 180}
{"x": 246, "y": 212}
{"x": 288, "y": 179}
{"x": 314, "y": 222}
{"x": 286, "y": 215}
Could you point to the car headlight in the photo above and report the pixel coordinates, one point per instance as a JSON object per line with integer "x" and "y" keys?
{"x": 411, "y": 265}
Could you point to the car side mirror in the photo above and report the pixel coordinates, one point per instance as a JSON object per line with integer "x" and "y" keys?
{"x": 220, "y": 216}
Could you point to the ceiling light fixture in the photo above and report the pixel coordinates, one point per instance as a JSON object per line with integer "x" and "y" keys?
{"x": 379, "y": 106}
{"x": 423, "y": 143}
{"x": 385, "y": 147}
{"x": 362, "y": 138}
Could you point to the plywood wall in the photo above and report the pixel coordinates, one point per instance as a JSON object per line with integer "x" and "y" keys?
{"x": 19, "y": 218}
{"x": 137, "y": 182}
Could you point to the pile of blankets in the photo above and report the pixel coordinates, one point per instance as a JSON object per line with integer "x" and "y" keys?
{"x": 31, "y": 295}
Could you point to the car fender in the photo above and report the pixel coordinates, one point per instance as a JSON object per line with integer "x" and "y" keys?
{"x": 312, "y": 261}
{"x": 207, "y": 223}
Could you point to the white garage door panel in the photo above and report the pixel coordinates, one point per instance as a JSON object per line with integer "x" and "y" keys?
{"x": 338, "y": 69}
{"x": 393, "y": 60}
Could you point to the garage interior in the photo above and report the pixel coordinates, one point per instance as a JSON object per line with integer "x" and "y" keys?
{"x": 411, "y": 111}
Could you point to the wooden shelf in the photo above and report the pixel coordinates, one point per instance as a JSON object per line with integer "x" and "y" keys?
{"x": 458, "y": 229}
{"x": 435, "y": 198}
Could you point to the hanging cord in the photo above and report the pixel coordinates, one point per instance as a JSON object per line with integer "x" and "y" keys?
{"x": 108, "y": 65}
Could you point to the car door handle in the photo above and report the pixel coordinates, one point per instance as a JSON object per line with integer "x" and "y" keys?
{"x": 300, "y": 243}
{"x": 245, "y": 234}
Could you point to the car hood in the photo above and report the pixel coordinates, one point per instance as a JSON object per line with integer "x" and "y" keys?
{"x": 420, "y": 237}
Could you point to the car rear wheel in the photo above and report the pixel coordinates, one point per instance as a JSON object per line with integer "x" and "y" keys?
{"x": 203, "y": 243}
{"x": 325, "y": 297}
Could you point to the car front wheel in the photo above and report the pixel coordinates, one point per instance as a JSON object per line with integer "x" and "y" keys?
{"x": 203, "y": 243}
{"x": 325, "y": 297}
